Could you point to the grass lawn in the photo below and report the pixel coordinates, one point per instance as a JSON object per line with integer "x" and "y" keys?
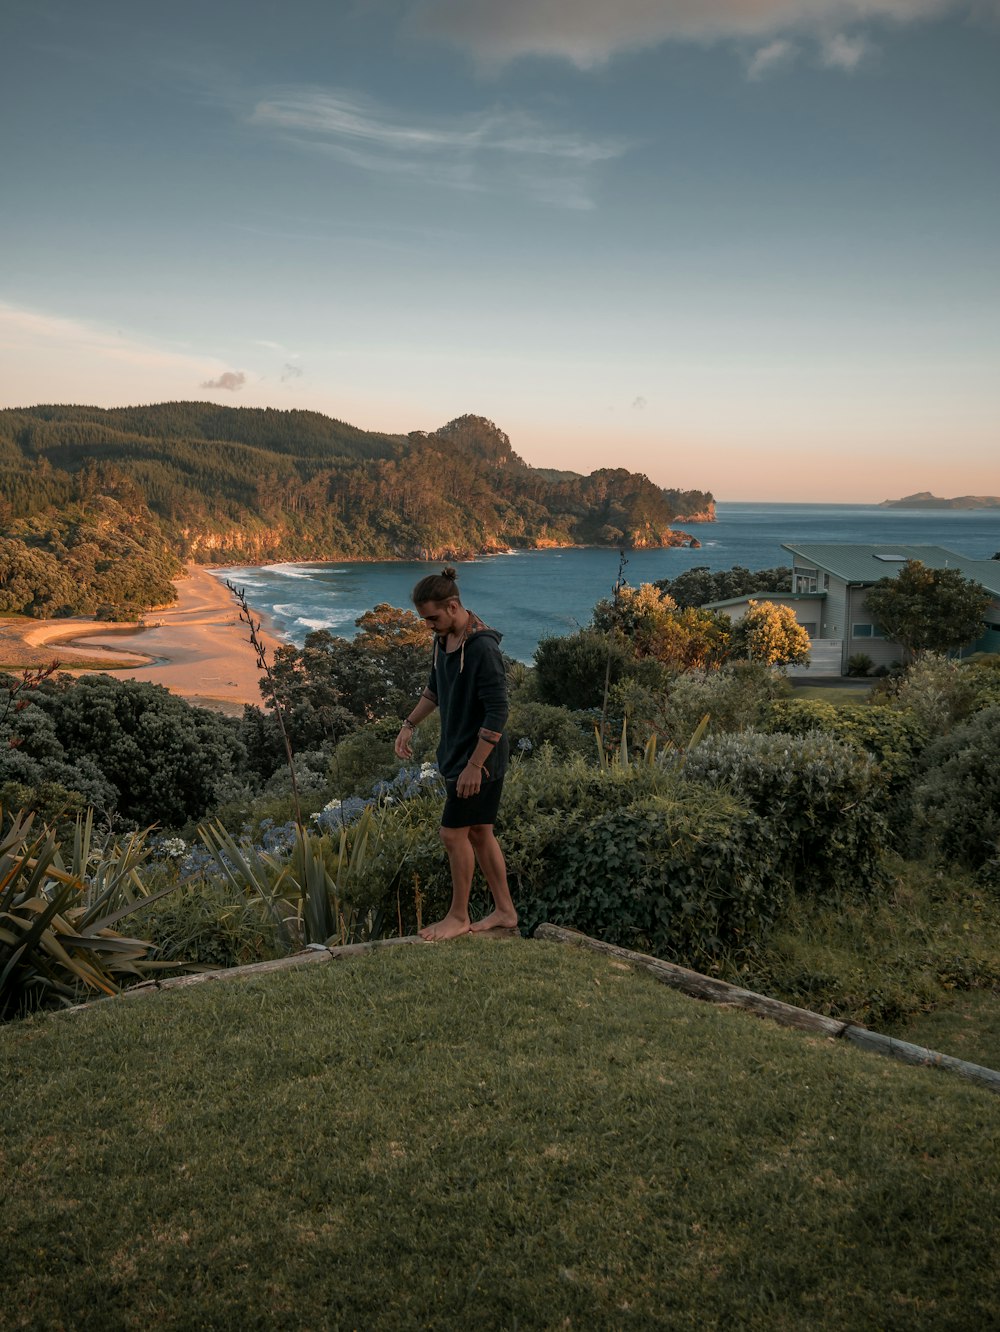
{"x": 839, "y": 692}
{"x": 968, "y": 1027}
{"x": 482, "y": 1135}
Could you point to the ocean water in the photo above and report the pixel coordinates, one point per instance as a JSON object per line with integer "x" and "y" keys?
{"x": 530, "y": 595}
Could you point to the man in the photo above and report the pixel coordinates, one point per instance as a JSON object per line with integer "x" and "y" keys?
{"x": 468, "y": 683}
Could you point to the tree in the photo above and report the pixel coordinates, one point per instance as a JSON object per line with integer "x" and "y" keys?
{"x": 928, "y": 610}
{"x": 332, "y": 686}
{"x": 695, "y": 587}
{"x": 133, "y": 746}
{"x": 649, "y": 622}
{"x": 770, "y": 633}
{"x": 570, "y": 671}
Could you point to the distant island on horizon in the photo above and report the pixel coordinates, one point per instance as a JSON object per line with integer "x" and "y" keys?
{"x": 923, "y": 499}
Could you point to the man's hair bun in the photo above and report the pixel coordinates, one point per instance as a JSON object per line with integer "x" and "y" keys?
{"x": 449, "y": 572}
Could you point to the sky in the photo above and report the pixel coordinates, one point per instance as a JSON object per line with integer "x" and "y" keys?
{"x": 745, "y": 246}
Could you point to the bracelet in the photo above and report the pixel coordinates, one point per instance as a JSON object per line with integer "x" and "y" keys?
{"x": 407, "y": 722}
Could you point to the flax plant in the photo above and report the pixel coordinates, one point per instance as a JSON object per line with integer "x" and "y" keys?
{"x": 56, "y": 940}
{"x": 304, "y": 894}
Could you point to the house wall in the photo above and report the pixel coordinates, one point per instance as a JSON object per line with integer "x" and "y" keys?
{"x": 835, "y": 610}
{"x": 883, "y": 651}
{"x": 808, "y": 611}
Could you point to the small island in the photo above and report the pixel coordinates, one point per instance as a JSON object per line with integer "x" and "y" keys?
{"x": 925, "y": 500}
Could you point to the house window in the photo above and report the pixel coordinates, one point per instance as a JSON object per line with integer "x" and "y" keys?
{"x": 866, "y": 631}
{"x": 810, "y": 627}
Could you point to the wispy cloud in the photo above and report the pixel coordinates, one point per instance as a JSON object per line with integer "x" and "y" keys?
{"x": 589, "y": 32}
{"x": 843, "y": 52}
{"x": 291, "y": 372}
{"x": 491, "y": 150}
{"x": 59, "y": 332}
{"x": 768, "y": 58}
{"x": 53, "y": 357}
{"x": 229, "y": 379}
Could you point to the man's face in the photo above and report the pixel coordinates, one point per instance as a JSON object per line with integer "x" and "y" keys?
{"x": 444, "y": 617}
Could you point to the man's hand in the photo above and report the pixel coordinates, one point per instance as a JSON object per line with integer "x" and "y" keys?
{"x": 402, "y": 745}
{"x": 469, "y": 781}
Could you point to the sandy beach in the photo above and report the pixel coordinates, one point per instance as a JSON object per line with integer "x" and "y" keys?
{"x": 197, "y": 648}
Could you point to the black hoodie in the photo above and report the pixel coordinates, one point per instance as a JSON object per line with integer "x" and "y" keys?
{"x": 469, "y": 685}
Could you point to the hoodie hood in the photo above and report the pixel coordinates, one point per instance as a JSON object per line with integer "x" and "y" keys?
{"x": 476, "y": 628}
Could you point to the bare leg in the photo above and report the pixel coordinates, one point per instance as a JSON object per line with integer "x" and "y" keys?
{"x": 494, "y": 867}
{"x": 462, "y": 860}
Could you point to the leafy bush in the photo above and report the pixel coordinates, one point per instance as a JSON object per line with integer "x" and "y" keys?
{"x": 893, "y": 737}
{"x": 770, "y": 633}
{"x": 683, "y": 878}
{"x": 635, "y": 856}
{"x": 939, "y": 693}
{"x": 819, "y": 800}
{"x": 541, "y": 724}
{"x": 575, "y": 667}
{"x": 738, "y": 697}
{"x": 366, "y": 757}
{"x": 210, "y": 925}
{"x": 168, "y": 761}
{"x": 860, "y": 664}
{"x": 957, "y": 801}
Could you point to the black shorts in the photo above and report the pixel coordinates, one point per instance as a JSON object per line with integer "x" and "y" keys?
{"x": 464, "y": 811}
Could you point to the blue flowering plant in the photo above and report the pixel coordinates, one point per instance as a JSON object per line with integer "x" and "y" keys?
{"x": 305, "y": 875}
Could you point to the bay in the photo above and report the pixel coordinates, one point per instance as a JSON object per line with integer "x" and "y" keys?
{"x": 530, "y": 595}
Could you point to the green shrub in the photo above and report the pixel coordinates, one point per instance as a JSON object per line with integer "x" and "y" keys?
{"x": 894, "y": 737}
{"x": 575, "y": 666}
{"x": 938, "y": 692}
{"x": 56, "y": 806}
{"x": 211, "y": 925}
{"x": 366, "y": 757}
{"x": 168, "y": 761}
{"x": 738, "y": 697}
{"x": 957, "y": 801}
{"x": 819, "y": 799}
{"x": 635, "y": 856}
{"x": 543, "y": 724}
{"x": 860, "y": 664}
{"x": 681, "y": 878}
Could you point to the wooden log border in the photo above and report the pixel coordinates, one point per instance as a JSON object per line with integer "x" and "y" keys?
{"x": 316, "y": 953}
{"x": 721, "y": 992}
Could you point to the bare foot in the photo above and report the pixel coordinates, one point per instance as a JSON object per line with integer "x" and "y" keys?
{"x": 496, "y": 920}
{"x": 449, "y": 928}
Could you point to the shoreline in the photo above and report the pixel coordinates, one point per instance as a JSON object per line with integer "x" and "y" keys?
{"x": 197, "y": 647}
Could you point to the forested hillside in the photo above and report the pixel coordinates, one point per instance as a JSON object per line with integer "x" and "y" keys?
{"x": 80, "y": 487}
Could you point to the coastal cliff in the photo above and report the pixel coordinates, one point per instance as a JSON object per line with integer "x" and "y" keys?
{"x": 225, "y": 485}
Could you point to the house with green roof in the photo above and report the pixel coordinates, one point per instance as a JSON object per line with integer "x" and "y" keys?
{"x": 830, "y": 583}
